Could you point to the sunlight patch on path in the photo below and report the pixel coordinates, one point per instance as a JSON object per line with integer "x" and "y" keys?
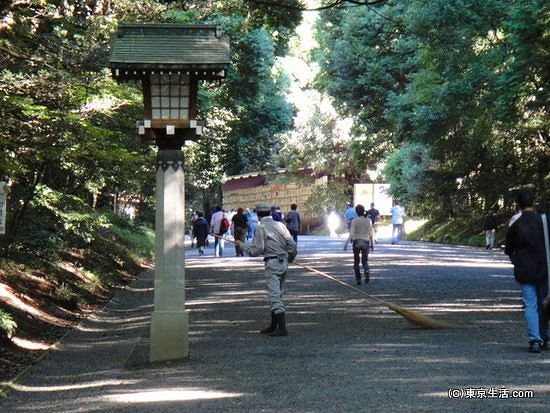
{"x": 170, "y": 396}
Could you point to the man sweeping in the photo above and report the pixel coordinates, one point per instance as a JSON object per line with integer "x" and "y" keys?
{"x": 275, "y": 244}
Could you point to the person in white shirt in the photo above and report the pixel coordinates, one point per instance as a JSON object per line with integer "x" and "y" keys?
{"x": 397, "y": 219}
{"x": 215, "y": 224}
{"x": 361, "y": 233}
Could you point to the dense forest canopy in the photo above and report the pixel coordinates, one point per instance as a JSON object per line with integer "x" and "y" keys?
{"x": 450, "y": 95}
{"x": 460, "y": 89}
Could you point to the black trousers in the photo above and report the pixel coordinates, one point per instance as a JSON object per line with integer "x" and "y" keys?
{"x": 360, "y": 255}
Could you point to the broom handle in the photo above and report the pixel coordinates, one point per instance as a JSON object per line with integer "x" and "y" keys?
{"x": 330, "y": 277}
{"x": 225, "y": 239}
{"x": 324, "y": 274}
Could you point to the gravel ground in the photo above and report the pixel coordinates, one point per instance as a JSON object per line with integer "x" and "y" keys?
{"x": 344, "y": 353}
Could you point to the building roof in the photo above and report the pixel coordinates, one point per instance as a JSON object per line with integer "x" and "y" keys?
{"x": 254, "y": 179}
{"x": 169, "y": 46}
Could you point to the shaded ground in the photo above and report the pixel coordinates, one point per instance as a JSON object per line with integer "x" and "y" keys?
{"x": 47, "y": 300}
{"x": 344, "y": 352}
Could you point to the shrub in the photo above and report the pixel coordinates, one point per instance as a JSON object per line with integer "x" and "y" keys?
{"x": 8, "y": 326}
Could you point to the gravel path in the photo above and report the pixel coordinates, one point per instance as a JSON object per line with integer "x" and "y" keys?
{"x": 345, "y": 353}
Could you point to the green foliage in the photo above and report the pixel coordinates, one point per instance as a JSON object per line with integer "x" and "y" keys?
{"x": 332, "y": 197}
{"x": 78, "y": 220}
{"x": 140, "y": 239}
{"x": 8, "y": 326}
{"x": 319, "y": 144}
{"x": 66, "y": 295}
{"x": 408, "y": 170}
{"x": 256, "y": 101}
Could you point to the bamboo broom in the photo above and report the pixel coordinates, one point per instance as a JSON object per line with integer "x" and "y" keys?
{"x": 410, "y": 315}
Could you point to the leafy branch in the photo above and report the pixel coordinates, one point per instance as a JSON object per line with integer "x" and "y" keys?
{"x": 334, "y": 4}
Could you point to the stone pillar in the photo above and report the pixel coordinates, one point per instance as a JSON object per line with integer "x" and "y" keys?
{"x": 169, "y": 323}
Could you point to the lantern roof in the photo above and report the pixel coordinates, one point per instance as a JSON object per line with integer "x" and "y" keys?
{"x": 150, "y": 47}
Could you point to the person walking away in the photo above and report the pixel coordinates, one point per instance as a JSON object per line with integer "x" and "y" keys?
{"x": 374, "y": 216}
{"x": 191, "y": 233}
{"x": 277, "y": 214}
{"x": 239, "y": 226}
{"x": 349, "y": 214}
{"x": 229, "y": 215}
{"x": 248, "y": 215}
{"x": 252, "y": 223}
{"x": 275, "y": 244}
{"x": 360, "y": 234}
{"x": 526, "y": 249}
{"x": 200, "y": 231}
{"x": 397, "y": 219}
{"x": 216, "y": 228}
{"x": 490, "y": 228}
{"x": 293, "y": 222}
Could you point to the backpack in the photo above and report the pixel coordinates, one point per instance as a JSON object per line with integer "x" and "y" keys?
{"x": 224, "y": 226}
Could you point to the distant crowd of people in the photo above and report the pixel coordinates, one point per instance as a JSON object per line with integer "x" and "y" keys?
{"x": 239, "y": 224}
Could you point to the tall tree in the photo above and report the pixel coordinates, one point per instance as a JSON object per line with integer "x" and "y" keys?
{"x": 454, "y": 76}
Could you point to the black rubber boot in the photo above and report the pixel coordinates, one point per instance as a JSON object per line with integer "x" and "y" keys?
{"x": 272, "y": 327}
{"x": 281, "y": 326}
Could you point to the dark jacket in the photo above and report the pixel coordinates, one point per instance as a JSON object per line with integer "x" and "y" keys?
{"x": 490, "y": 222}
{"x": 525, "y": 247}
{"x": 200, "y": 231}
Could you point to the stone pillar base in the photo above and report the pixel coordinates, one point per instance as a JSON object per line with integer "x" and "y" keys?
{"x": 169, "y": 339}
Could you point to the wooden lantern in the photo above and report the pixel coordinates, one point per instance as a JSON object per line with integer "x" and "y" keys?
{"x": 169, "y": 60}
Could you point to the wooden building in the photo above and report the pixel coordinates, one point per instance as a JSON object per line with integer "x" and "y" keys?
{"x": 281, "y": 189}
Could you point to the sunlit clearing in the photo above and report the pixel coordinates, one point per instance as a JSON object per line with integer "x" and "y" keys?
{"x": 30, "y": 345}
{"x": 170, "y": 396}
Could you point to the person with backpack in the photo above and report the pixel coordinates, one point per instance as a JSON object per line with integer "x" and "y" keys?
{"x": 275, "y": 244}
{"x": 219, "y": 225}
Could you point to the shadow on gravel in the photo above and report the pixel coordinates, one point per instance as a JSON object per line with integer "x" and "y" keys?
{"x": 344, "y": 353}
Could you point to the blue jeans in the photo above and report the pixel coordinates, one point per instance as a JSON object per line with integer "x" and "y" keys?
{"x": 537, "y": 322}
{"x": 218, "y": 247}
{"x": 397, "y": 233}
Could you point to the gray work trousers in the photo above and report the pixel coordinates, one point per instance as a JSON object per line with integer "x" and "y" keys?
{"x": 275, "y": 273}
